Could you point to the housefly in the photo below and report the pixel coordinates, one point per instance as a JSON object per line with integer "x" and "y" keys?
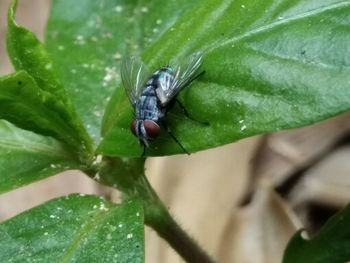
{"x": 152, "y": 95}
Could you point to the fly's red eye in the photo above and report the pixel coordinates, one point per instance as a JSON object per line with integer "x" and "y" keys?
{"x": 133, "y": 128}
{"x": 152, "y": 129}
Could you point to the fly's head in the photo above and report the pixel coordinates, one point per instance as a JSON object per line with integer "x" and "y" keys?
{"x": 145, "y": 130}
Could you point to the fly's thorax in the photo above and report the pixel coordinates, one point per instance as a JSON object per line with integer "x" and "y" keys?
{"x": 163, "y": 77}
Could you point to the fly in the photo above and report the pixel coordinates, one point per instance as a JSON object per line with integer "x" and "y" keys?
{"x": 152, "y": 96}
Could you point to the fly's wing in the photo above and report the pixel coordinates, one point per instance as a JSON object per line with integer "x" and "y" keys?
{"x": 134, "y": 75}
{"x": 184, "y": 74}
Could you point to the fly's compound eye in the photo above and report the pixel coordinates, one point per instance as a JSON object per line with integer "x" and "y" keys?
{"x": 152, "y": 129}
{"x": 133, "y": 128}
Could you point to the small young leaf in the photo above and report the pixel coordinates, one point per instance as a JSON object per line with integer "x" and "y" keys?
{"x": 268, "y": 65}
{"x": 27, "y": 53}
{"x": 26, "y": 157}
{"x": 331, "y": 244}
{"x": 25, "y": 105}
{"x": 75, "y": 228}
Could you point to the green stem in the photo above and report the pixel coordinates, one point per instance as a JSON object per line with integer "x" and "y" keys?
{"x": 128, "y": 176}
{"x": 178, "y": 239}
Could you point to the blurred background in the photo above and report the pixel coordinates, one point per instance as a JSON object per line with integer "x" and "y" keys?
{"x": 239, "y": 200}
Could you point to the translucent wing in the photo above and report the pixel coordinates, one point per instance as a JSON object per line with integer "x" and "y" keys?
{"x": 184, "y": 74}
{"x": 134, "y": 75}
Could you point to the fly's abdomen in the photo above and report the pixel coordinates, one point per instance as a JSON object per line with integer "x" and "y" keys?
{"x": 147, "y": 106}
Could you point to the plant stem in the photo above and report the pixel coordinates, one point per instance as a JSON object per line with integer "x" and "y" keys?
{"x": 179, "y": 240}
{"x": 128, "y": 175}
{"x": 158, "y": 217}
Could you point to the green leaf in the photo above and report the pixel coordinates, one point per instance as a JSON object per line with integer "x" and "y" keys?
{"x": 24, "y": 104}
{"x": 71, "y": 229}
{"x": 27, "y": 53}
{"x": 26, "y": 157}
{"x": 330, "y": 245}
{"x": 269, "y": 65}
{"x": 88, "y": 39}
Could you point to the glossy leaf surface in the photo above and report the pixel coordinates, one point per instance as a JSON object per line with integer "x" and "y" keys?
{"x": 88, "y": 40}
{"x": 70, "y": 229}
{"x": 269, "y": 65}
{"x": 331, "y": 244}
{"x": 26, "y": 157}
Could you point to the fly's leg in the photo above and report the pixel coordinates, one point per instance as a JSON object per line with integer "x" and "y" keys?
{"x": 165, "y": 125}
{"x": 187, "y": 115}
{"x": 144, "y": 148}
{"x": 183, "y": 107}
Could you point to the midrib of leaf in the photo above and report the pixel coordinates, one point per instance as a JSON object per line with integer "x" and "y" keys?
{"x": 32, "y": 147}
{"x": 276, "y": 24}
{"x": 84, "y": 232}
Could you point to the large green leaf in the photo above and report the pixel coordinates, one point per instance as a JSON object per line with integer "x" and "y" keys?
{"x": 75, "y": 229}
{"x": 269, "y": 65}
{"x": 330, "y": 245}
{"x": 26, "y": 157}
{"x": 88, "y": 39}
{"x": 27, "y": 53}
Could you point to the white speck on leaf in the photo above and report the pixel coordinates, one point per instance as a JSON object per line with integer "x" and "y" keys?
{"x": 144, "y": 9}
{"x": 111, "y": 73}
{"x": 118, "y": 8}
{"x": 98, "y": 113}
{"x": 48, "y": 66}
{"x": 117, "y": 56}
{"x": 103, "y": 207}
{"x": 107, "y": 35}
{"x": 94, "y": 39}
{"x": 243, "y": 126}
{"x": 129, "y": 236}
{"x": 79, "y": 40}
